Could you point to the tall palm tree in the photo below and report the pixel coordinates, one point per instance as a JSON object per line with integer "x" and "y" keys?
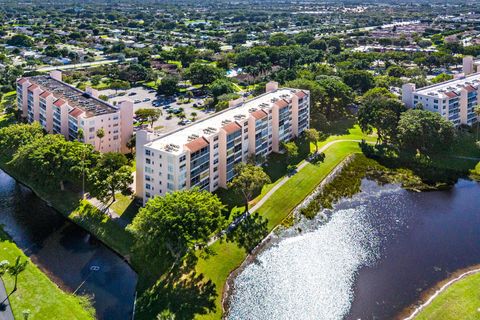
{"x": 14, "y": 271}
{"x": 100, "y": 134}
{"x": 477, "y": 112}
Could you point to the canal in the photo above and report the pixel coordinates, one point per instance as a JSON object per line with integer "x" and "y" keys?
{"x": 370, "y": 259}
{"x": 66, "y": 253}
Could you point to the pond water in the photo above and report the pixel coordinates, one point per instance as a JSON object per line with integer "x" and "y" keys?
{"x": 67, "y": 253}
{"x": 372, "y": 258}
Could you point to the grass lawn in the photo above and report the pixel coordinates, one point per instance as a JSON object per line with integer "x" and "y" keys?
{"x": 125, "y": 206}
{"x": 459, "y": 301}
{"x": 229, "y": 256}
{"x": 68, "y": 203}
{"x": 37, "y": 293}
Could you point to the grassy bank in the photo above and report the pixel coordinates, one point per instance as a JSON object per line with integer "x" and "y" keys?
{"x": 37, "y": 293}
{"x": 229, "y": 255}
{"x": 459, "y": 301}
{"x": 68, "y": 203}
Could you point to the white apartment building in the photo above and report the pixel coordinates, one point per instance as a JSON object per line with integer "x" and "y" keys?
{"x": 455, "y": 99}
{"x": 205, "y": 153}
{"x": 63, "y": 109}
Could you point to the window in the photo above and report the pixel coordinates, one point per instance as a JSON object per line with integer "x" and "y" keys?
{"x": 147, "y": 152}
{"x": 148, "y": 186}
{"x": 183, "y": 158}
{"x": 170, "y": 176}
{"x": 147, "y": 160}
{"x": 215, "y": 138}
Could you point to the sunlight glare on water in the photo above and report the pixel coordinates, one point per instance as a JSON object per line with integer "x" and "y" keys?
{"x": 311, "y": 275}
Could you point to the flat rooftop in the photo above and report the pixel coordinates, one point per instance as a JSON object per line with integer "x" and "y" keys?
{"x": 73, "y": 96}
{"x": 174, "y": 141}
{"x": 455, "y": 85}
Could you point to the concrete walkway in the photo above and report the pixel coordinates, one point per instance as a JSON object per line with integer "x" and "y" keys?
{"x": 107, "y": 210}
{"x": 7, "y": 314}
{"x": 272, "y": 191}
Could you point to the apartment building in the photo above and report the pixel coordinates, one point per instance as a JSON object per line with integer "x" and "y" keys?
{"x": 205, "y": 153}
{"x": 63, "y": 109}
{"x": 455, "y": 99}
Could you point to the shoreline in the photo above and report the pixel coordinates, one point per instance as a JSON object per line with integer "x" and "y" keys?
{"x": 52, "y": 206}
{"x": 229, "y": 284}
{"x": 429, "y": 295}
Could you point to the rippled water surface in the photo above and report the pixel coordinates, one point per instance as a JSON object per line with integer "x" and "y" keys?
{"x": 66, "y": 252}
{"x": 372, "y": 258}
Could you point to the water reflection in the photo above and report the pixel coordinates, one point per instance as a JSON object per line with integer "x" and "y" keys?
{"x": 66, "y": 252}
{"x": 370, "y": 260}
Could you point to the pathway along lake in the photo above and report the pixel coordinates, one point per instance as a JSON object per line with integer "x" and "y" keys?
{"x": 66, "y": 252}
{"x": 373, "y": 258}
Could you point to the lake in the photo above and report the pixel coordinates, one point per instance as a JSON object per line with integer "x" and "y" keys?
{"x": 369, "y": 258}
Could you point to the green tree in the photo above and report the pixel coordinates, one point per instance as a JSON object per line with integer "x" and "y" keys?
{"x": 148, "y": 114}
{"x": 194, "y": 116}
{"x": 111, "y": 174}
{"x": 359, "y": 80}
{"x": 424, "y": 131}
{"x": 131, "y": 143}
{"x": 119, "y": 85}
{"x": 380, "y": 110}
{"x": 303, "y": 38}
{"x": 199, "y": 73}
{"x": 20, "y": 40}
{"x": 335, "y": 96}
{"x": 134, "y": 73}
{"x": 177, "y": 223}
{"x": 100, "y": 135}
{"x": 248, "y": 180}
{"x": 313, "y": 136}
{"x": 291, "y": 149}
{"x": 221, "y": 86}
{"x": 477, "y": 113}
{"x": 168, "y": 85}
{"x": 16, "y": 135}
{"x": 54, "y": 159}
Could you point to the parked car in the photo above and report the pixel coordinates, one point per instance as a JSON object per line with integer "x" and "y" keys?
{"x": 137, "y": 101}
{"x": 146, "y": 99}
{"x": 132, "y": 93}
{"x": 185, "y": 122}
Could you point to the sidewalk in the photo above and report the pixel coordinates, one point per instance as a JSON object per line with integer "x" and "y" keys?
{"x": 272, "y": 191}
{"x": 7, "y": 314}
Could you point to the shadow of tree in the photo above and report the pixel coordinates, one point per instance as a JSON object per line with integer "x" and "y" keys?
{"x": 183, "y": 292}
{"x": 249, "y": 232}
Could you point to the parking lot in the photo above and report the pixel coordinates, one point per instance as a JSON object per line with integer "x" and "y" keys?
{"x": 147, "y": 98}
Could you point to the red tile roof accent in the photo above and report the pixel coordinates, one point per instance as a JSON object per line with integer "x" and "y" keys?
{"x": 470, "y": 88}
{"x": 59, "y": 103}
{"x": 231, "y": 127}
{"x": 300, "y": 94}
{"x": 196, "y": 144}
{"x": 45, "y": 94}
{"x": 451, "y": 94}
{"x": 22, "y": 81}
{"x": 75, "y": 112}
{"x": 281, "y": 103}
{"x": 33, "y": 87}
{"x": 259, "y": 114}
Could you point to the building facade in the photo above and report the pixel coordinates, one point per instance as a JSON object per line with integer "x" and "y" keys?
{"x": 63, "y": 109}
{"x": 205, "y": 153}
{"x": 455, "y": 99}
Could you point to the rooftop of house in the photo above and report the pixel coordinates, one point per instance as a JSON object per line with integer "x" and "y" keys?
{"x": 452, "y": 87}
{"x": 75, "y": 98}
{"x": 175, "y": 141}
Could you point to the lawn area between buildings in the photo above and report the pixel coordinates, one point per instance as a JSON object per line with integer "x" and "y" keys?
{"x": 229, "y": 256}
{"x": 37, "y": 293}
{"x": 461, "y": 300}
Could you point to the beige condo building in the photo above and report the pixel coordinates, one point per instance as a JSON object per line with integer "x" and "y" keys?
{"x": 205, "y": 153}
{"x": 63, "y": 109}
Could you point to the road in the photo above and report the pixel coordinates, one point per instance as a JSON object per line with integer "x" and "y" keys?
{"x": 7, "y": 313}
{"x": 81, "y": 65}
